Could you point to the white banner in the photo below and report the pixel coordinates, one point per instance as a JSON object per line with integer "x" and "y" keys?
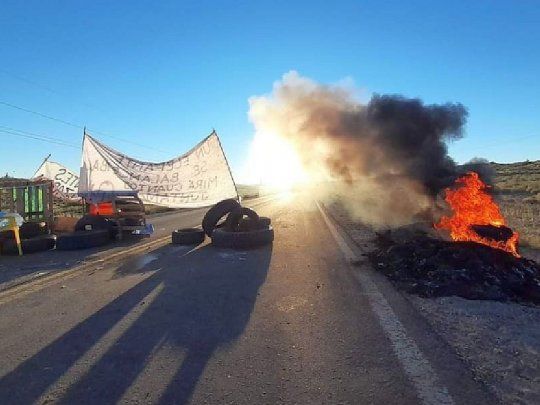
{"x": 66, "y": 182}
{"x": 199, "y": 178}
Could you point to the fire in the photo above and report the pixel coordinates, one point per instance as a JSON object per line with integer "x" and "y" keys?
{"x": 472, "y": 205}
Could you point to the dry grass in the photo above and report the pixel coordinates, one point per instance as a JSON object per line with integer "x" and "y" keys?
{"x": 518, "y": 178}
{"x": 524, "y": 217}
{"x": 517, "y": 186}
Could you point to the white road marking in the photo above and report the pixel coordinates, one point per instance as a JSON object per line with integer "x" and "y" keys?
{"x": 413, "y": 362}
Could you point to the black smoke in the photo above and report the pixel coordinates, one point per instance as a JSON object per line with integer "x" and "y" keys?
{"x": 413, "y": 134}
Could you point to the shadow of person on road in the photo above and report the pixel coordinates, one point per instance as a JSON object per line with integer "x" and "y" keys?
{"x": 203, "y": 300}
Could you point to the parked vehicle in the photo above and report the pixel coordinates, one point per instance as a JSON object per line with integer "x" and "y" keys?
{"x": 119, "y": 212}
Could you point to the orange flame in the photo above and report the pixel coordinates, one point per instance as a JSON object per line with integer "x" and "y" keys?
{"x": 472, "y": 205}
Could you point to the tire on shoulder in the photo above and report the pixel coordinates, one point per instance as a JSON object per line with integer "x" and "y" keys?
{"x": 83, "y": 239}
{"x": 265, "y": 221}
{"x": 188, "y": 236}
{"x": 243, "y": 240}
{"x": 237, "y": 215}
{"x": 216, "y": 213}
{"x": 32, "y": 229}
{"x": 92, "y": 222}
{"x": 36, "y": 244}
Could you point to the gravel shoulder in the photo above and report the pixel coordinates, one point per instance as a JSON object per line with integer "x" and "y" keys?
{"x": 500, "y": 342}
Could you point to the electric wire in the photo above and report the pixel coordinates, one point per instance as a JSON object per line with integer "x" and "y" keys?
{"x": 43, "y": 137}
{"x": 46, "y": 88}
{"x": 29, "y": 135}
{"x": 71, "y": 124}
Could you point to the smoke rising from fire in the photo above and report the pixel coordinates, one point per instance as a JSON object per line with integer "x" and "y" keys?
{"x": 387, "y": 158}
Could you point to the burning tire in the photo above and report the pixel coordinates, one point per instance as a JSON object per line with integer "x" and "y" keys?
{"x": 217, "y": 212}
{"x": 234, "y": 217}
{"x": 242, "y": 240}
{"x": 83, "y": 239}
{"x": 188, "y": 236}
{"x": 39, "y": 243}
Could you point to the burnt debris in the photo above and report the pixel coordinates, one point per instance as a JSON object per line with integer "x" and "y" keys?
{"x": 430, "y": 267}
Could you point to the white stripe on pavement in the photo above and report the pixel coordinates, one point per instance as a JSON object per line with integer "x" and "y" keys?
{"x": 416, "y": 366}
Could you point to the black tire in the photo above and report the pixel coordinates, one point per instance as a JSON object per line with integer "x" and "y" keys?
{"x": 217, "y": 212}
{"x": 247, "y": 225}
{"x": 92, "y": 223}
{"x": 265, "y": 221}
{"x": 32, "y": 229}
{"x": 26, "y": 231}
{"x": 82, "y": 239}
{"x": 242, "y": 240}
{"x": 188, "y": 236}
{"x": 234, "y": 217}
{"x": 39, "y": 243}
{"x": 6, "y": 235}
{"x": 113, "y": 228}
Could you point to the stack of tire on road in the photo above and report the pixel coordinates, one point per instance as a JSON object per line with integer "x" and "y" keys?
{"x": 90, "y": 231}
{"x": 35, "y": 237}
{"x": 229, "y": 225}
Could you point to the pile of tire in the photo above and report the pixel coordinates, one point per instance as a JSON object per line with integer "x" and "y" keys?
{"x": 229, "y": 225}
{"x": 35, "y": 237}
{"x": 90, "y": 231}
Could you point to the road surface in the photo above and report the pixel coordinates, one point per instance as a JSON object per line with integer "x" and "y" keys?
{"x": 283, "y": 324}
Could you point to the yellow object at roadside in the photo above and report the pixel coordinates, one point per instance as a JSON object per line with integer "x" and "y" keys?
{"x": 9, "y": 223}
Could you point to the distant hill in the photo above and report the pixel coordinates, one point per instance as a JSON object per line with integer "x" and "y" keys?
{"x": 518, "y": 178}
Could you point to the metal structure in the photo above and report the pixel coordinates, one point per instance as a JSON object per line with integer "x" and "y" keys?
{"x": 31, "y": 199}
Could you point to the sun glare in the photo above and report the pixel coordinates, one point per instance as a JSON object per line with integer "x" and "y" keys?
{"x": 273, "y": 162}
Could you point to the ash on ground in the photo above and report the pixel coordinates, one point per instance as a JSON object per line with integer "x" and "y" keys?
{"x": 429, "y": 267}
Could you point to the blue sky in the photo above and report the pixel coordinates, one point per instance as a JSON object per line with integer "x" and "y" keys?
{"x": 163, "y": 74}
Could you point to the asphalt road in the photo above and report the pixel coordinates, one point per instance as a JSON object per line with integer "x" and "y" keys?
{"x": 287, "y": 323}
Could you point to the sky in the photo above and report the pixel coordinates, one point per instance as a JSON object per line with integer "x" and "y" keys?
{"x": 151, "y": 79}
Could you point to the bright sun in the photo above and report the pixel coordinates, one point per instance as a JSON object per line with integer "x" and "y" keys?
{"x": 274, "y": 162}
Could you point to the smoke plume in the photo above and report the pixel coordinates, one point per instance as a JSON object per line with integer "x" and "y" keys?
{"x": 386, "y": 158}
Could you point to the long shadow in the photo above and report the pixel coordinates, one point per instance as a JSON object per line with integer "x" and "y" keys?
{"x": 15, "y": 267}
{"x": 205, "y": 301}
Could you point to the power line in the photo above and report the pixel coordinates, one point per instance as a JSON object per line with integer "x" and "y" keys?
{"x": 30, "y": 135}
{"x": 36, "y": 84}
{"x": 71, "y": 124}
{"x": 46, "y": 88}
{"x": 44, "y": 137}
